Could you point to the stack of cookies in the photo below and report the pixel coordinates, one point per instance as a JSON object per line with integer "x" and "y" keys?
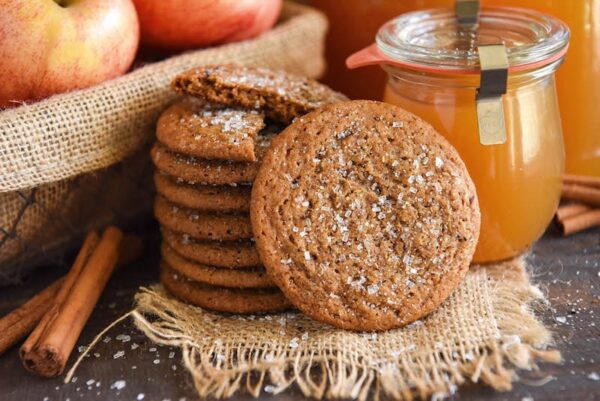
{"x": 209, "y": 147}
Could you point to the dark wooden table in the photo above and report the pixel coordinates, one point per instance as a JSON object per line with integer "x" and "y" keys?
{"x": 568, "y": 269}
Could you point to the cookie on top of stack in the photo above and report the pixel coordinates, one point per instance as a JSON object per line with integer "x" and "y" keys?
{"x": 209, "y": 147}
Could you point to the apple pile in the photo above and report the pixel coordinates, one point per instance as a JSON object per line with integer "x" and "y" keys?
{"x": 54, "y": 46}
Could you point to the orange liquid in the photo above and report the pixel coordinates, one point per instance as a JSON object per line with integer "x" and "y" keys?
{"x": 518, "y": 183}
{"x": 578, "y": 79}
{"x": 353, "y": 25}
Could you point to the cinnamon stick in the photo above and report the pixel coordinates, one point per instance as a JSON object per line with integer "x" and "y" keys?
{"x": 582, "y": 194}
{"x": 89, "y": 244}
{"x": 581, "y": 222}
{"x": 571, "y": 210}
{"x": 49, "y": 355}
{"x": 586, "y": 181}
{"x": 18, "y": 323}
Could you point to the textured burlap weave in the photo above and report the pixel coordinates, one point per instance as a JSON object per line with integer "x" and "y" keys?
{"x": 46, "y": 148}
{"x": 481, "y": 334}
{"x": 86, "y": 130}
{"x": 37, "y": 225}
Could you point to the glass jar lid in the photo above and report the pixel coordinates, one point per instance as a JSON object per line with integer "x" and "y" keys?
{"x": 433, "y": 39}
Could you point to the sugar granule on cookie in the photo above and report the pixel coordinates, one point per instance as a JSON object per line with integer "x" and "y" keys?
{"x": 200, "y": 224}
{"x": 208, "y": 131}
{"x": 215, "y": 198}
{"x": 248, "y": 277}
{"x": 280, "y": 95}
{"x": 214, "y": 172}
{"x": 227, "y": 254}
{"x": 245, "y": 301}
{"x": 364, "y": 216}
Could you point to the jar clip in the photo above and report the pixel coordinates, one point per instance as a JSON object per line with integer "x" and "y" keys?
{"x": 467, "y": 12}
{"x": 494, "y": 82}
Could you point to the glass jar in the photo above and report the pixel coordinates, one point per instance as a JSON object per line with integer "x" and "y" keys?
{"x": 352, "y": 25}
{"x": 578, "y": 79}
{"x": 433, "y": 68}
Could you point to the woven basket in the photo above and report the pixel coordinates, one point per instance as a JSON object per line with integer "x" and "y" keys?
{"x": 80, "y": 160}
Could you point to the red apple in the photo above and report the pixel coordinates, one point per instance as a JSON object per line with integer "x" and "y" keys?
{"x": 53, "y": 46}
{"x": 187, "y": 24}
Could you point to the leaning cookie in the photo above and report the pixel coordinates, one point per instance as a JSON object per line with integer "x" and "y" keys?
{"x": 223, "y": 198}
{"x": 207, "y": 131}
{"x": 202, "y": 225}
{"x": 280, "y": 95}
{"x": 364, "y": 216}
{"x": 254, "y": 277}
{"x": 221, "y": 299}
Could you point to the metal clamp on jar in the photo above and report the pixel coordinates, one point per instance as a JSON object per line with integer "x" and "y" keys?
{"x": 488, "y": 87}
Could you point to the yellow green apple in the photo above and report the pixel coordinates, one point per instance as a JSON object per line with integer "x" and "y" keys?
{"x": 54, "y": 46}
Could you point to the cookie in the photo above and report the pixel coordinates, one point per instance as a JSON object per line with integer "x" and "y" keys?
{"x": 227, "y": 254}
{"x": 213, "y": 172}
{"x": 194, "y": 170}
{"x": 207, "y": 131}
{"x": 243, "y": 301}
{"x": 224, "y": 198}
{"x": 364, "y": 216}
{"x": 281, "y": 96}
{"x": 255, "y": 277}
{"x": 202, "y": 225}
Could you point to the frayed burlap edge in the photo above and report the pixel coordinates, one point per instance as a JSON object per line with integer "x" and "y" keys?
{"x": 519, "y": 343}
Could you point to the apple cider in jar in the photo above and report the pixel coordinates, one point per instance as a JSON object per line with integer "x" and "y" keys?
{"x": 352, "y": 25}
{"x": 578, "y": 79}
{"x": 434, "y": 71}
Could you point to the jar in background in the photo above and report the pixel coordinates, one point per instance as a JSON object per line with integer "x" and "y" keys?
{"x": 578, "y": 79}
{"x": 434, "y": 71}
{"x": 352, "y": 25}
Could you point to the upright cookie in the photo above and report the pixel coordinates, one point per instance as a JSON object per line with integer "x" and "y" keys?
{"x": 364, "y": 216}
{"x": 223, "y": 299}
{"x": 214, "y": 172}
{"x": 223, "y": 198}
{"x": 202, "y": 225}
{"x": 227, "y": 254}
{"x": 207, "y": 131}
{"x": 253, "y": 277}
{"x": 281, "y": 96}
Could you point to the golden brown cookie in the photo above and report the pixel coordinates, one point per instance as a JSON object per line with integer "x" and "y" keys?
{"x": 280, "y": 95}
{"x": 243, "y": 301}
{"x": 364, "y": 216}
{"x": 213, "y": 172}
{"x": 207, "y": 131}
{"x": 202, "y": 225}
{"x": 254, "y": 277}
{"x": 210, "y": 172}
{"x": 223, "y": 198}
{"x": 226, "y": 254}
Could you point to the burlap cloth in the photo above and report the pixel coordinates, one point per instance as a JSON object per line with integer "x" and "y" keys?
{"x": 86, "y": 130}
{"x": 48, "y": 198}
{"x": 484, "y": 331}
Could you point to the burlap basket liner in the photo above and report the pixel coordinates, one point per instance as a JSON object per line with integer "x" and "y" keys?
{"x": 46, "y": 147}
{"x": 480, "y": 334}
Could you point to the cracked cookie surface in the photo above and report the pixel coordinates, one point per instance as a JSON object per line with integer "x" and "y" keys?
{"x": 281, "y": 96}
{"x": 364, "y": 216}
